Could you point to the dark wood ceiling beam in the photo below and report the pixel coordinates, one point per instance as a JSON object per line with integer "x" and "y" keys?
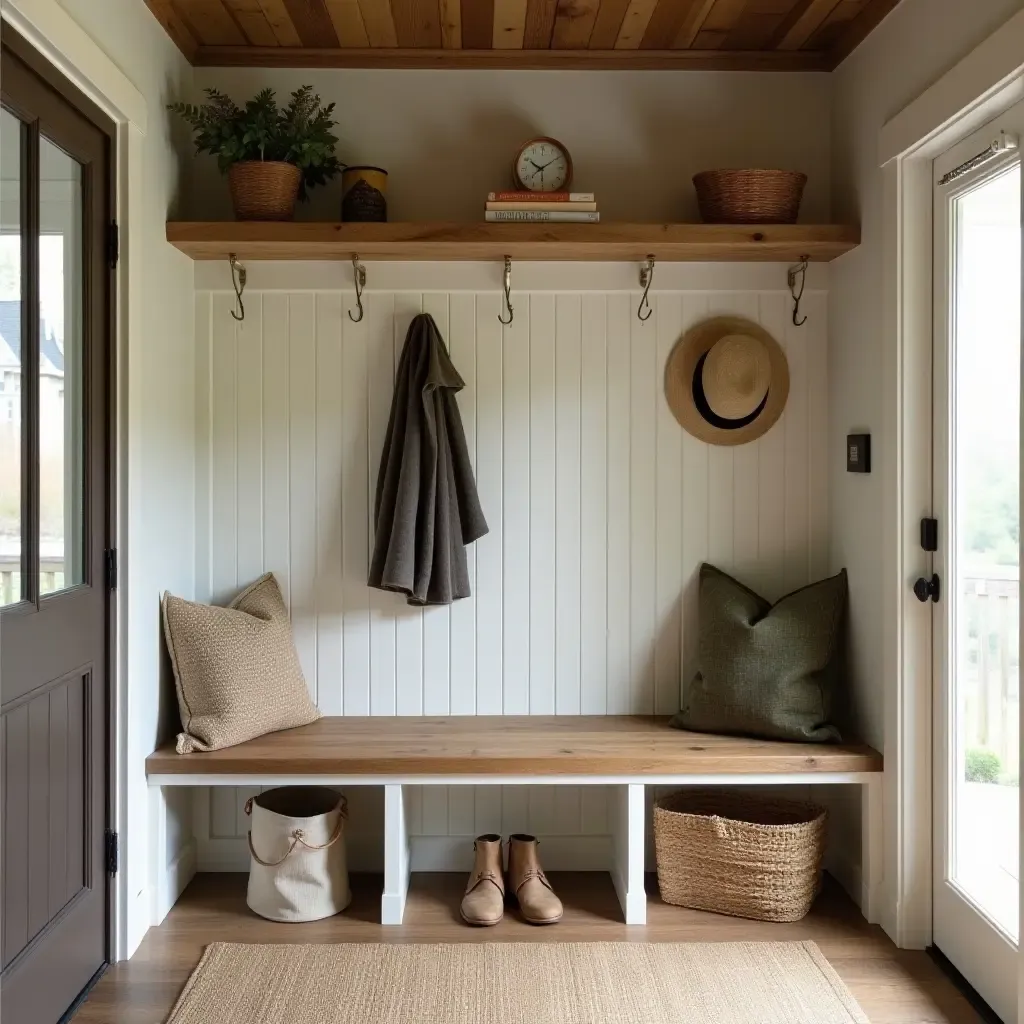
{"x": 529, "y": 59}
{"x": 859, "y": 29}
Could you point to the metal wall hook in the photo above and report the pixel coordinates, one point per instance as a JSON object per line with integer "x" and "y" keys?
{"x": 646, "y": 277}
{"x": 508, "y": 293}
{"x": 797, "y": 278}
{"x": 238, "y": 283}
{"x": 359, "y": 274}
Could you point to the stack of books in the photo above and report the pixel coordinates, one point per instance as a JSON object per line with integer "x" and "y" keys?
{"x": 553, "y": 207}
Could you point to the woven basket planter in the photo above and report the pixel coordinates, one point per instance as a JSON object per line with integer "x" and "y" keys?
{"x": 264, "y": 189}
{"x": 749, "y": 196}
{"x": 741, "y": 855}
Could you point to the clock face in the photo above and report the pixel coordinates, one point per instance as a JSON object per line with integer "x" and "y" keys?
{"x": 543, "y": 166}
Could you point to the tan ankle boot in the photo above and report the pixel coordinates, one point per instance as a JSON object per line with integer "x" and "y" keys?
{"x": 484, "y": 902}
{"x": 537, "y": 900}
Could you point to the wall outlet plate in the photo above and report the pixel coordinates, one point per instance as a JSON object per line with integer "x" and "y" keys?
{"x": 858, "y": 453}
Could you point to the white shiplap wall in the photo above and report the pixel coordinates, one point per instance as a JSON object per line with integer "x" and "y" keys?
{"x": 600, "y": 507}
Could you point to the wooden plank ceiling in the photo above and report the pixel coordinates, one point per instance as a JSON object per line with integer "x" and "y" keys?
{"x": 582, "y": 34}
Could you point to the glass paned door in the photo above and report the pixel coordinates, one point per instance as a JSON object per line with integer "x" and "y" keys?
{"x": 12, "y": 574}
{"x": 977, "y": 499}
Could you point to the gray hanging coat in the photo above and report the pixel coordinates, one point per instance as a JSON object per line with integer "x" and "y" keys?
{"x": 427, "y": 509}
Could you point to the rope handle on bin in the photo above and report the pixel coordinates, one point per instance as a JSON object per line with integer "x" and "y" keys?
{"x": 298, "y": 836}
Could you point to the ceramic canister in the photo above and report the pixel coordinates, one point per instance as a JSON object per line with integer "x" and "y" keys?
{"x": 364, "y": 192}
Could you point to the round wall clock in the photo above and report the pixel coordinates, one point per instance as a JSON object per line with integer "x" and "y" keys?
{"x": 542, "y": 165}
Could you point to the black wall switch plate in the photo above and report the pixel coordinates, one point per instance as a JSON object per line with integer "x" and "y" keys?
{"x": 858, "y": 453}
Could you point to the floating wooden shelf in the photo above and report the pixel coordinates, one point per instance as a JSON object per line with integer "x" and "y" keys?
{"x": 481, "y": 241}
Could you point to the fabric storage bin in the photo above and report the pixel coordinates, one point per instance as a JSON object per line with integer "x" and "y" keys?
{"x": 298, "y": 869}
{"x": 732, "y": 853}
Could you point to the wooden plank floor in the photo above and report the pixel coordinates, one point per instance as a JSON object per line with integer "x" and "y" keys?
{"x": 893, "y": 986}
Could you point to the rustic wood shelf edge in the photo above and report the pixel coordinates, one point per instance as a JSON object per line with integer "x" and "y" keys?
{"x": 206, "y": 240}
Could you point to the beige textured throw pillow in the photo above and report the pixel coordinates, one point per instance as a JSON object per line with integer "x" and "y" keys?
{"x": 236, "y": 669}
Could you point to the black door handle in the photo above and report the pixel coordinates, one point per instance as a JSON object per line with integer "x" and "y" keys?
{"x": 924, "y": 589}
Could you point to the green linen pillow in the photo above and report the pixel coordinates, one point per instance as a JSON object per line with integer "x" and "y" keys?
{"x": 765, "y": 670}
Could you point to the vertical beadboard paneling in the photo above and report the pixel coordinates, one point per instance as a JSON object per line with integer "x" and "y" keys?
{"x": 642, "y": 508}
{"x": 600, "y": 510}
{"x": 567, "y": 505}
{"x": 462, "y": 346}
{"x": 593, "y": 505}
{"x": 542, "y": 504}
{"x": 490, "y": 682}
{"x": 302, "y": 479}
{"x": 437, "y": 620}
{"x": 617, "y": 499}
{"x": 668, "y": 569}
{"x": 356, "y": 502}
{"x": 408, "y": 620}
{"x": 380, "y": 391}
{"x": 509, "y": 420}
{"x": 249, "y": 435}
{"x": 276, "y": 450}
{"x": 329, "y": 448}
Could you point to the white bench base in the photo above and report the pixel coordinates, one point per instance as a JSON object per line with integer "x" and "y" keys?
{"x": 627, "y": 821}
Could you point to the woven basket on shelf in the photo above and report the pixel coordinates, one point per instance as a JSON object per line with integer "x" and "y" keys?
{"x": 736, "y": 854}
{"x": 264, "y": 189}
{"x": 749, "y": 196}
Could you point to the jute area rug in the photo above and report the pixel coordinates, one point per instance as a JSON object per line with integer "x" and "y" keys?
{"x": 517, "y": 983}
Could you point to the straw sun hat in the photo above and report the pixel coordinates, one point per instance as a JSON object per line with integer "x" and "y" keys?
{"x": 727, "y": 380}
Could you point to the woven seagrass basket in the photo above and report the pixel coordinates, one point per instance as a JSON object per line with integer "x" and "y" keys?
{"x": 264, "y": 189}
{"x": 741, "y": 855}
{"x": 749, "y": 196}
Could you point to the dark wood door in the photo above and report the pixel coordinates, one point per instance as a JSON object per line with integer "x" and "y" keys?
{"x": 56, "y": 153}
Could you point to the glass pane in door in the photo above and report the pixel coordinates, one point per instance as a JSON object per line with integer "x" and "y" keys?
{"x": 10, "y": 359}
{"x": 984, "y": 787}
{"x": 61, "y": 435}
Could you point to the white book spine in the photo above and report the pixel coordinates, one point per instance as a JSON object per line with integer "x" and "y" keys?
{"x": 544, "y": 207}
{"x": 553, "y": 217}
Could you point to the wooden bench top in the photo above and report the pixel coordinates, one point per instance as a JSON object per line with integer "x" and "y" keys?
{"x": 612, "y": 745}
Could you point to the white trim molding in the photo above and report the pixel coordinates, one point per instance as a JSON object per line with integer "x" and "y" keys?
{"x": 982, "y": 85}
{"x": 62, "y": 41}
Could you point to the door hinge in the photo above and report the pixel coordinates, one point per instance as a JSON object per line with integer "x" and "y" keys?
{"x": 110, "y": 559}
{"x": 929, "y": 535}
{"x": 113, "y": 244}
{"x": 112, "y": 851}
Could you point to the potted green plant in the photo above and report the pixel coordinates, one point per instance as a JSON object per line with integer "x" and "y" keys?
{"x": 272, "y": 156}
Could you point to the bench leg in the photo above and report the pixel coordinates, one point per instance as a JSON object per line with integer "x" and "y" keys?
{"x": 396, "y": 856}
{"x": 628, "y": 851}
{"x": 872, "y": 850}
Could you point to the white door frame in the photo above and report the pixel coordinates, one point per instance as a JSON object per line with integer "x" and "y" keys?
{"x": 986, "y": 82}
{"x": 62, "y": 41}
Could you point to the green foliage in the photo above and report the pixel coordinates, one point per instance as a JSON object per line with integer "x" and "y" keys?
{"x": 299, "y": 134}
{"x": 982, "y": 765}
